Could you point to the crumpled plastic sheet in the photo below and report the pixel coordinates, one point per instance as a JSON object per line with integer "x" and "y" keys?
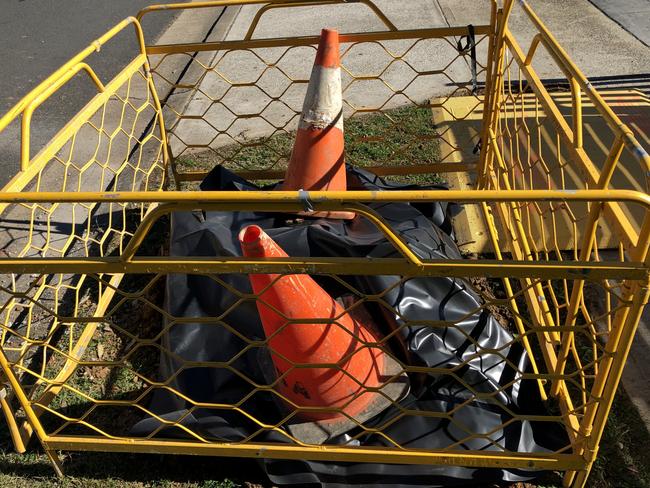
{"x": 427, "y": 230}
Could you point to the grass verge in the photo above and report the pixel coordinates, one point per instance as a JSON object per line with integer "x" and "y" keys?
{"x": 396, "y": 138}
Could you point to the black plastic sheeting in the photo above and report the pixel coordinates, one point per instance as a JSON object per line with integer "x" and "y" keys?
{"x": 427, "y": 230}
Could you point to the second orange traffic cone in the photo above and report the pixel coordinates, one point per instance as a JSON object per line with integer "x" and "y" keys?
{"x": 318, "y": 157}
{"x": 306, "y": 326}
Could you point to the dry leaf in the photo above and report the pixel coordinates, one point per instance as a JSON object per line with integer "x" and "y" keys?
{"x": 100, "y": 350}
{"x": 102, "y": 373}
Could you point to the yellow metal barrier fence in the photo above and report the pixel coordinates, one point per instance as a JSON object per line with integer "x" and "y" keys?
{"x": 84, "y": 266}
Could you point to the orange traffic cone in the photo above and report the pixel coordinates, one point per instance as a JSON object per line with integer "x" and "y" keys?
{"x": 318, "y": 157}
{"x": 306, "y": 326}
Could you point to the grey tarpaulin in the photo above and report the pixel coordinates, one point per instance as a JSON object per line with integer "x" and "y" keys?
{"x": 426, "y": 228}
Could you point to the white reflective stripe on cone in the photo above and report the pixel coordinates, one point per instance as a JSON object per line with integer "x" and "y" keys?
{"x": 323, "y": 102}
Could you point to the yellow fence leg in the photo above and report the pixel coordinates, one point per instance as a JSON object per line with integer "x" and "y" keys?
{"x": 618, "y": 346}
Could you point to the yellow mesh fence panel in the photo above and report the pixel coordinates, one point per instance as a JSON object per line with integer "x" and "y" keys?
{"x": 84, "y": 325}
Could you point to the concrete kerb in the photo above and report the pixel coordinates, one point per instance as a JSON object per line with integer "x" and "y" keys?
{"x": 597, "y": 45}
{"x": 179, "y": 77}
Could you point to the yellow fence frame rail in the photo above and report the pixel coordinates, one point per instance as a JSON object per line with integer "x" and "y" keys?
{"x": 545, "y": 286}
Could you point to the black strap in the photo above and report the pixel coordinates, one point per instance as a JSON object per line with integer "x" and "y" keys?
{"x": 470, "y": 47}
{"x": 477, "y": 147}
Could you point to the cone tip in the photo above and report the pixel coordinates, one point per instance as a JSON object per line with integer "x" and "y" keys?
{"x": 250, "y": 236}
{"x": 329, "y": 33}
{"x": 328, "y": 49}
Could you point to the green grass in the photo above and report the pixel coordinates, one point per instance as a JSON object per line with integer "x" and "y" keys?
{"x": 623, "y": 460}
{"x": 105, "y": 470}
{"x": 400, "y": 137}
{"x": 622, "y": 463}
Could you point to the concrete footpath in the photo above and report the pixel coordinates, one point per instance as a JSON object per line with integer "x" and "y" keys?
{"x": 631, "y": 15}
{"x": 600, "y": 47}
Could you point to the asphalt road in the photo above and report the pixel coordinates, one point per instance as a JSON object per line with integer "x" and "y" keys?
{"x": 38, "y": 36}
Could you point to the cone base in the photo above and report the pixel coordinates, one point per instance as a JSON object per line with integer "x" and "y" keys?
{"x": 319, "y": 432}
